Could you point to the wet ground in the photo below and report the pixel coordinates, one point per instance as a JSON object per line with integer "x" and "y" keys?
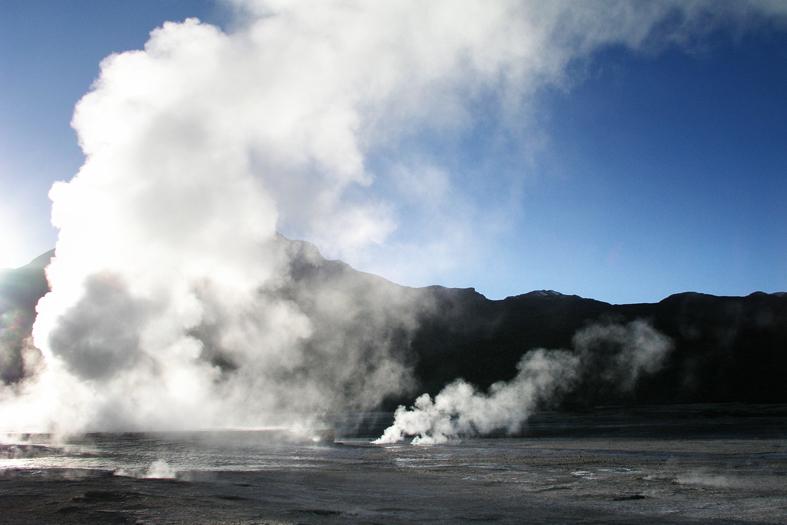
{"x": 709, "y": 464}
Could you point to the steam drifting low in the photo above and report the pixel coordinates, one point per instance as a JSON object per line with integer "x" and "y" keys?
{"x": 173, "y": 302}
{"x": 611, "y": 354}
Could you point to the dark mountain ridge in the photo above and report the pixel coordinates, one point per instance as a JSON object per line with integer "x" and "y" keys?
{"x": 725, "y": 348}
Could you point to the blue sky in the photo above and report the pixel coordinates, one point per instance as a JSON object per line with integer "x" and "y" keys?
{"x": 665, "y": 173}
{"x": 659, "y": 172}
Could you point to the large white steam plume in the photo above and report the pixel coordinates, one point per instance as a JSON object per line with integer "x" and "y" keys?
{"x": 173, "y": 302}
{"x": 613, "y": 354}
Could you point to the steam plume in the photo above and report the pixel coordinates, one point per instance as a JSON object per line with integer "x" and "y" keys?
{"x": 616, "y": 354}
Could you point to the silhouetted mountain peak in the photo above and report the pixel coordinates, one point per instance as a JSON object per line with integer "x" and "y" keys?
{"x": 544, "y": 293}
{"x": 42, "y": 260}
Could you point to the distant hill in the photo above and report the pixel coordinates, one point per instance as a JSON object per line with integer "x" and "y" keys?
{"x": 725, "y": 348}
{"x": 20, "y": 290}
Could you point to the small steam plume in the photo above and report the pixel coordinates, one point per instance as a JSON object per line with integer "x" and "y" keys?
{"x": 614, "y": 354}
{"x": 174, "y": 303}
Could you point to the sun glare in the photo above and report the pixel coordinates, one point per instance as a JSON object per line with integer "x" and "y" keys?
{"x": 9, "y": 255}
{"x": 12, "y": 254}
